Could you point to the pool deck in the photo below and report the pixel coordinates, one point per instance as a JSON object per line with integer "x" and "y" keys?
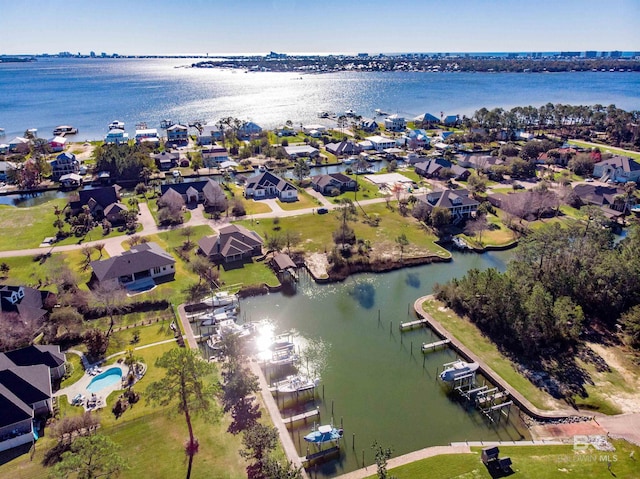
{"x": 80, "y": 387}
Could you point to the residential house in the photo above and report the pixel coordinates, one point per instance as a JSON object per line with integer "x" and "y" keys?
{"x": 458, "y": 202}
{"x": 5, "y": 168}
{"x": 284, "y": 130}
{"x": 116, "y": 136}
{"x": 315, "y": 131}
{"x": 368, "y": 125}
{"x": 478, "y": 162}
{"x": 426, "y": 120}
{"x": 147, "y": 135}
{"x": 165, "y": 160}
{"x": 605, "y": 197}
{"x": 523, "y": 135}
{"x": 214, "y": 197}
{"x": 302, "y": 151}
{"x": 64, "y": 164}
{"x": 178, "y": 134}
{"x": 395, "y": 123}
{"x": 460, "y": 173}
{"x": 451, "y": 120}
{"x": 209, "y": 134}
{"x": 249, "y": 129}
{"x": 417, "y": 138}
{"x": 344, "y": 148}
{"x": 101, "y": 202}
{"x": 233, "y": 243}
{"x": 215, "y": 155}
{"x": 19, "y": 145}
{"x": 57, "y": 143}
{"x": 380, "y": 143}
{"x": 172, "y": 197}
{"x": 70, "y": 180}
{"x": 192, "y": 192}
{"x": 26, "y": 391}
{"x": 432, "y": 168}
{"x": 143, "y": 265}
{"x": 268, "y": 185}
{"x": 617, "y": 168}
{"x": 28, "y": 303}
{"x": 333, "y": 182}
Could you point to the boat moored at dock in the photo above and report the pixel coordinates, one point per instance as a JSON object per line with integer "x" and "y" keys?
{"x": 295, "y": 384}
{"x": 458, "y": 369}
{"x": 221, "y": 298}
{"x": 326, "y": 433}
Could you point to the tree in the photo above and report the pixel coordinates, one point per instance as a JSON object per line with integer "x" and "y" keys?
{"x": 631, "y": 326}
{"x": 91, "y": 457}
{"x": 187, "y": 232}
{"x": 4, "y": 269}
{"x": 301, "y": 169}
{"x": 187, "y": 379}
{"x": 111, "y": 296}
{"x": 99, "y": 247}
{"x": 475, "y": 227}
{"x": 402, "y": 243}
{"x": 258, "y": 441}
{"x": 440, "y": 217}
{"x": 382, "y": 455}
{"x": 476, "y": 184}
{"x": 97, "y": 342}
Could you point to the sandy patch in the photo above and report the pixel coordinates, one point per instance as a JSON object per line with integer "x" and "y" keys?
{"x": 627, "y": 400}
{"x": 317, "y": 264}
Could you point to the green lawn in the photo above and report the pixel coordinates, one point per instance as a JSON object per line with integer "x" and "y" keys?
{"x": 251, "y": 206}
{"x": 248, "y": 273}
{"x": 366, "y": 191}
{"x": 78, "y": 370}
{"x": 305, "y": 200}
{"x": 469, "y": 335}
{"x": 499, "y": 235}
{"x": 530, "y": 462}
{"x": 27, "y": 227}
{"x": 607, "y": 149}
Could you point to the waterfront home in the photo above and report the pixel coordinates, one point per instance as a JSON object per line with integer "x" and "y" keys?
{"x": 426, "y": 120}
{"x": 57, "y": 143}
{"x": 284, "y": 130}
{"x": 417, "y": 138}
{"x": 558, "y": 156}
{"x": 178, "y": 134}
{"x": 116, "y": 136}
{"x": 458, "y": 202}
{"x": 147, "y": 135}
{"x": 6, "y": 167}
{"x": 19, "y": 145}
{"x": 451, "y": 120}
{"x": 232, "y": 243}
{"x": 607, "y": 198}
{"x": 380, "y": 143}
{"x": 70, "y": 180}
{"x": 213, "y": 156}
{"x": 344, "y": 148}
{"x": 64, "y": 164}
{"x": 249, "y": 129}
{"x": 102, "y": 203}
{"x": 617, "y": 168}
{"x": 315, "y": 131}
{"x": 143, "y": 265}
{"x": 395, "y": 123}
{"x": 478, "y": 162}
{"x": 165, "y": 160}
{"x": 432, "y": 168}
{"x": 302, "y": 151}
{"x": 333, "y": 183}
{"x": 268, "y": 185}
{"x": 209, "y": 134}
{"x": 26, "y": 303}
{"x": 368, "y": 125}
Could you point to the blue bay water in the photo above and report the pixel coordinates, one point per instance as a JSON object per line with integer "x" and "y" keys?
{"x": 90, "y": 93}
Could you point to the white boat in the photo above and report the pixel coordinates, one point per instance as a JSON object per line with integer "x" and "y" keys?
{"x": 116, "y": 125}
{"x": 323, "y": 434}
{"x": 221, "y": 298}
{"x": 459, "y": 243}
{"x": 63, "y": 130}
{"x": 295, "y": 384}
{"x": 457, "y": 370}
{"x": 349, "y": 112}
{"x": 380, "y": 112}
{"x": 211, "y": 319}
{"x": 229, "y": 326}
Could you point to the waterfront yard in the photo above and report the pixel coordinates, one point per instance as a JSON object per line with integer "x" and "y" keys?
{"x": 531, "y": 462}
{"x": 27, "y": 227}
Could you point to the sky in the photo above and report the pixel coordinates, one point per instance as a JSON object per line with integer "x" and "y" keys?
{"x": 154, "y": 27}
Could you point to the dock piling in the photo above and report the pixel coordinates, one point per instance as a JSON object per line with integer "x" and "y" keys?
{"x": 353, "y": 442}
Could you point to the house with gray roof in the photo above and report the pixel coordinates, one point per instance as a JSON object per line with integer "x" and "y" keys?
{"x": 64, "y": 164}
{"x": 144, "y": 264}
{"x": 302, "y": 151}
{"x": 327, "y": 184}
{"x": 617, "y": 168}
{"x": 267, "y": 185}
{"x": 232, "y": 243}
{"x": 47, "y": 354}
{"x": 458, "y": 202}
{"x": 344, "y": 148}
{"x": 165, "y": 160}
{"x": 28, "y": 303}
{"x": 100, "y": 202}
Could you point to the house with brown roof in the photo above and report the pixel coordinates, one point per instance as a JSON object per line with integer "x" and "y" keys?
{"x": 232, "y": 243}
{"x": 333, "y": 183}
{"x": 458, "y": 202}
{"x": 165, "y": 160}
{"x": 142, "y": 266}
{"x": 267, "y": 185}
{"x": 344, "y": 148}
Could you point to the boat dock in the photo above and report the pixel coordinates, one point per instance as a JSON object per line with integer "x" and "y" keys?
{"x": 310, "y": 459}
{"x": 426, "y": 347}
{"x": 418, "y": 323}
{"x": 301, "y": 417}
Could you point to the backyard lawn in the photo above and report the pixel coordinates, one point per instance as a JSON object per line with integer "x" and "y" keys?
{"x": 27, "y": 227}
{"x": 305, "y": 200}
{"x": 530, "y": 462}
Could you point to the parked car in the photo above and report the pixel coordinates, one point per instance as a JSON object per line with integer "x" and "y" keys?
{"x": 322, "y": 211}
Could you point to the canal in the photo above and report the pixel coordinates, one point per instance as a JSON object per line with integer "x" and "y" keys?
{"x": 370, "y": 381}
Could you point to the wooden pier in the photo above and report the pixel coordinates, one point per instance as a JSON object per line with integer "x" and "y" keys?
{"x": 413, "y": 324}
{"x": 427, "y": 347}
{"x": 312, "y": 458}
{"x": 301, "y": 417}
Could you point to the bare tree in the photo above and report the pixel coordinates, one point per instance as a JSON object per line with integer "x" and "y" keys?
{"x": 111, "y": 296}
{"x": 99, "y": 247}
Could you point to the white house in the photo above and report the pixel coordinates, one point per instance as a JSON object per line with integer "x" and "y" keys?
{"x": 210, "y": 134}
{"x": 302, "y": 151}
{"x": 147, "y": 135}
{"x": 267, "y": 185}
{"x": 617, "y": 168}
{"x": 380, "y": 143}
{"x": 395, "y": 123}
{"x": 116, "y": 136}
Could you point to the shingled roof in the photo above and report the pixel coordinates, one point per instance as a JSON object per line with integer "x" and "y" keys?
{"x": 233, "y": 240}
{"x": 139, "y": 258}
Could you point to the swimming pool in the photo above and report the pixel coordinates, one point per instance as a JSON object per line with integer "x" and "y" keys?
{"x": 105, "y": 379}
